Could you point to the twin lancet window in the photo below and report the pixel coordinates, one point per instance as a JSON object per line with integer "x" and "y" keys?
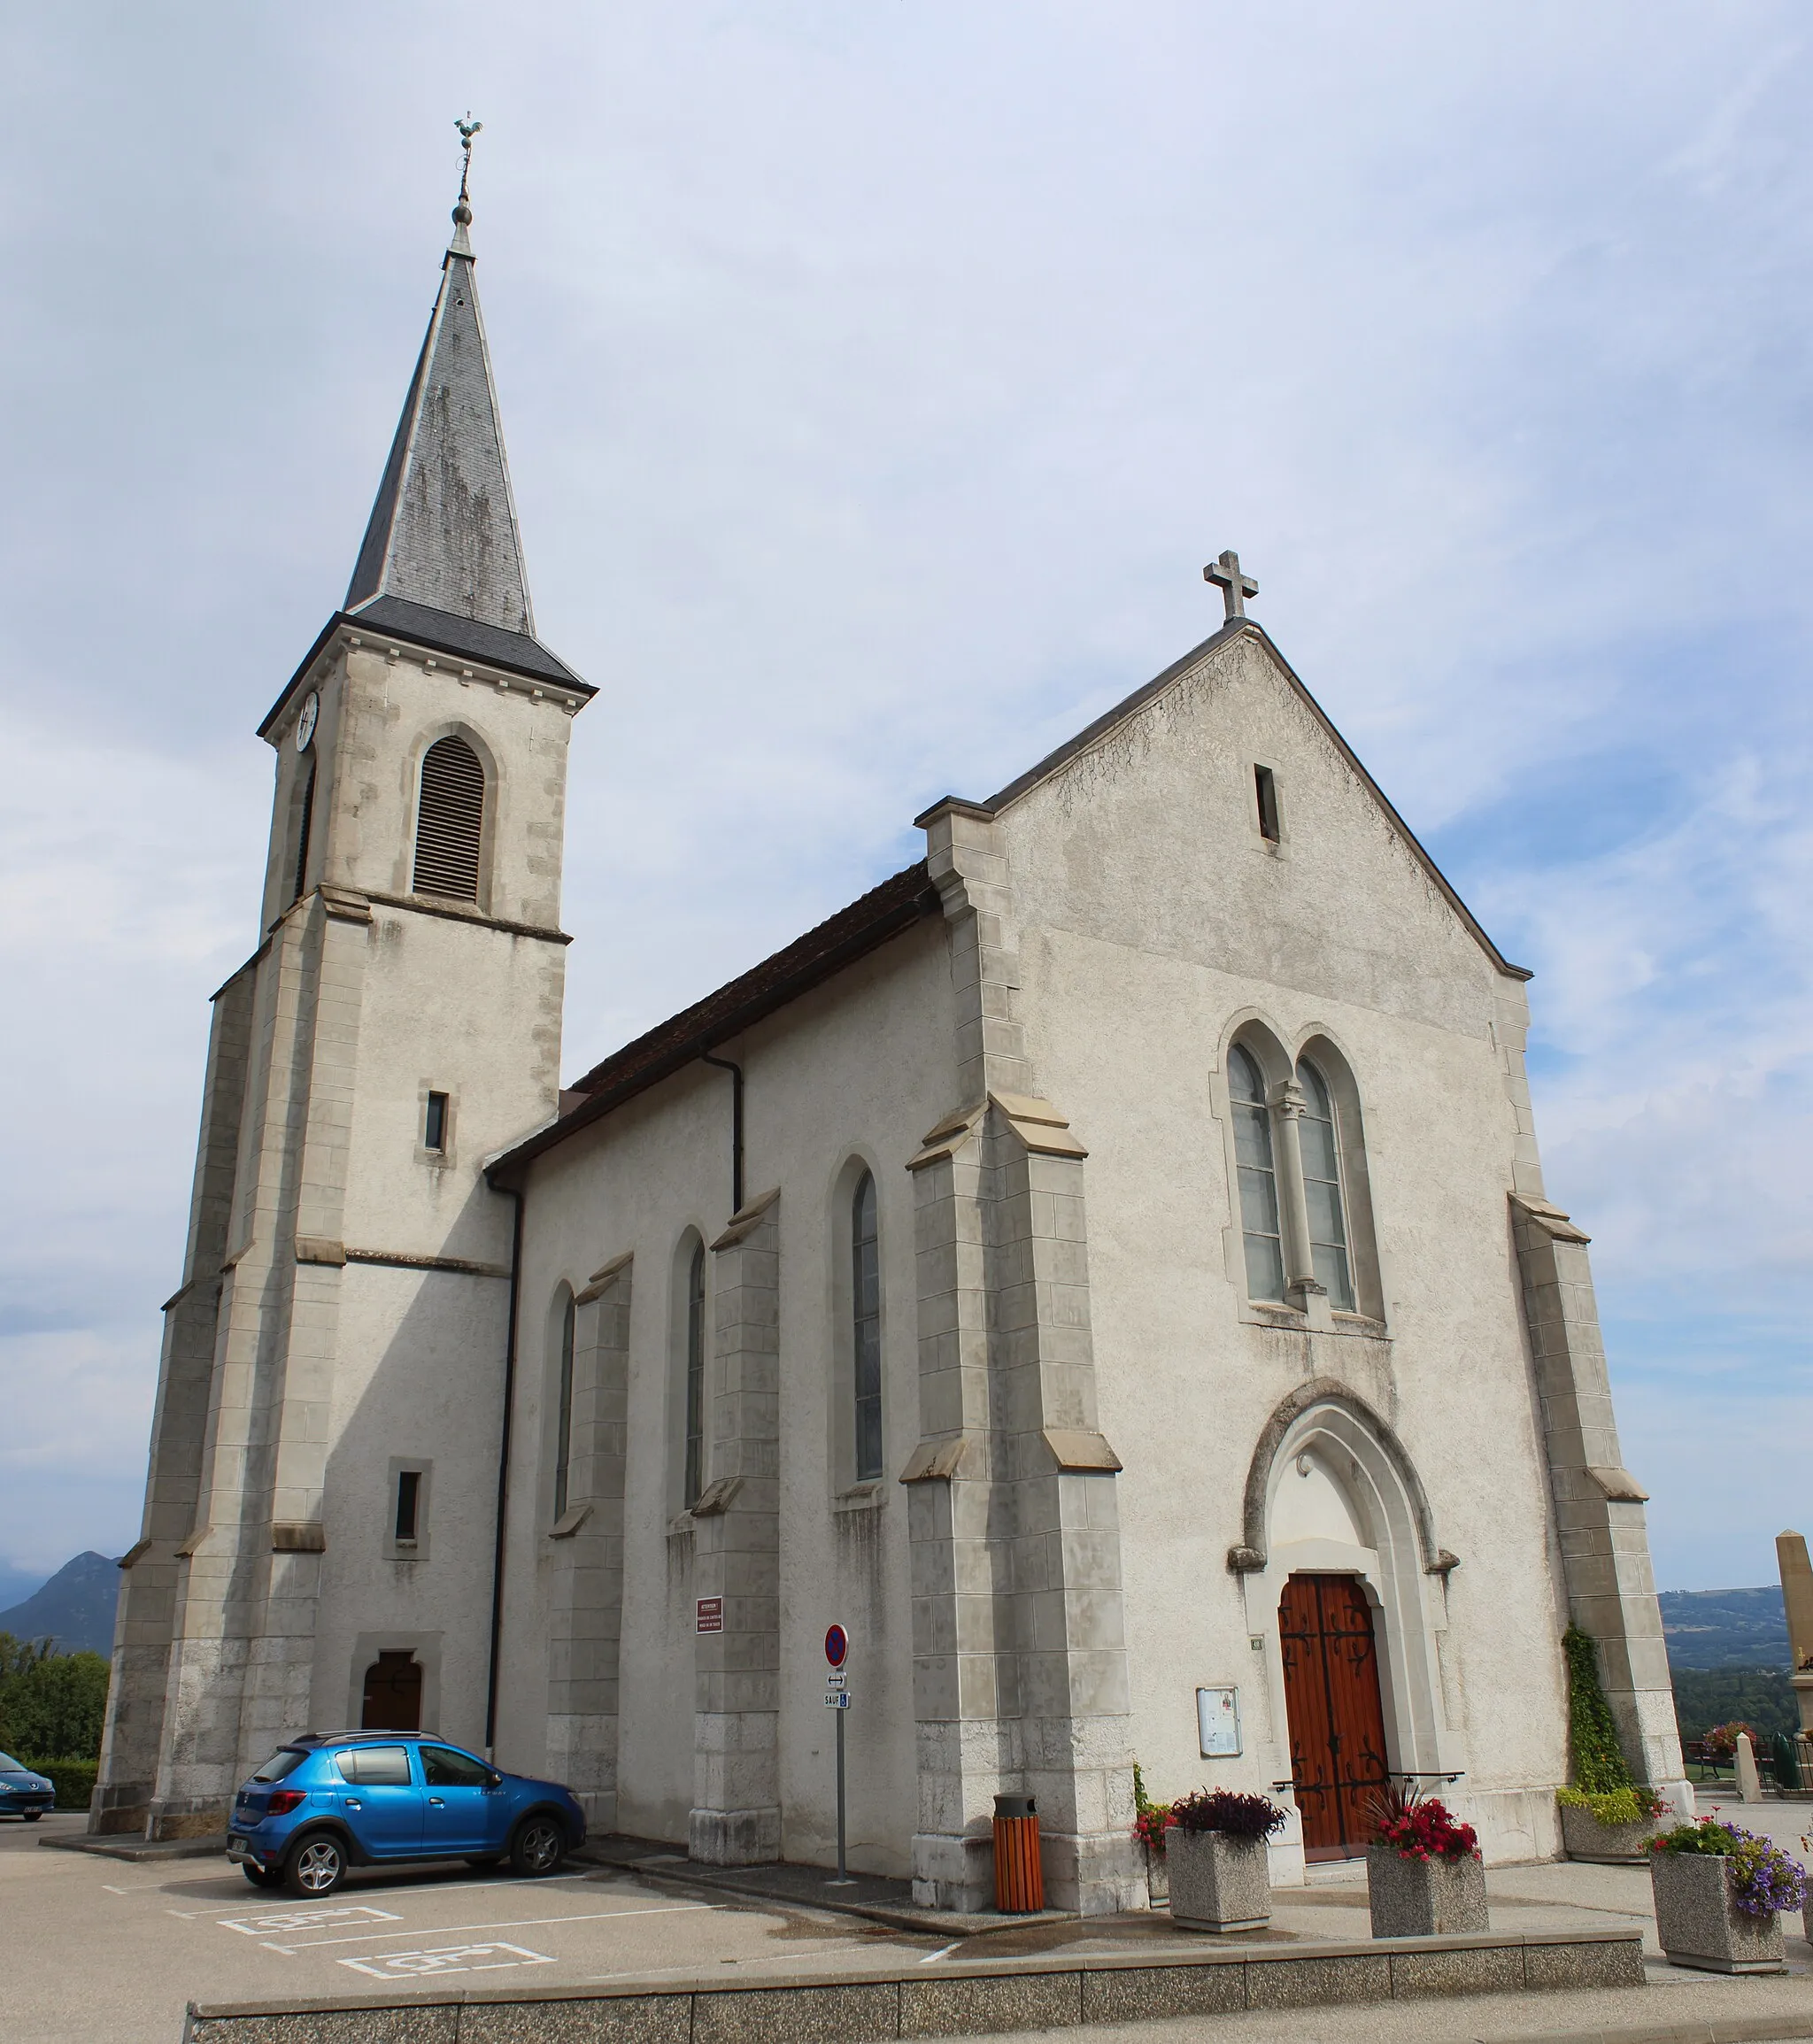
{"x": 1311, "y": 1161}
{"x": 449, "y": 821}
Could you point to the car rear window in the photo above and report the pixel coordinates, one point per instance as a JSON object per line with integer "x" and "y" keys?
{"x": 376, "y": 1766}
{"x": 285, "y": 1760}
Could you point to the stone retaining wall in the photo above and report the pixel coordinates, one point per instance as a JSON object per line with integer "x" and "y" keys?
{"x": 978, "y": 1998}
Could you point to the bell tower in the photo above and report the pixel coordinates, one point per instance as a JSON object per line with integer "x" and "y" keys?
{"x": 324, "y": 1445}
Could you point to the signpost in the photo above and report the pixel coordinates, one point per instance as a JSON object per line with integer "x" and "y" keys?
{"x": 838, "y": 1698}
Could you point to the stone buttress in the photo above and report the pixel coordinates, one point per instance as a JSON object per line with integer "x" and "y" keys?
{"x": 736, "y": 1817}
{"x": 1599, "y": 1517}
{"x": 586, "y": 1617}
{"x": 1019, "y": 1655}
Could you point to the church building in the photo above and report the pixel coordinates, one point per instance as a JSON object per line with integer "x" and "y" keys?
{"x": 1105, "y": 1268}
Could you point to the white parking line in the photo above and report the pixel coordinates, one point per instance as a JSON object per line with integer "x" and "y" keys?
{"x": 447, "y": 1959}
{"x": 396, "y": 1893}
{"x": 512, "y": 1923}
{"x": 929, "y": 1956}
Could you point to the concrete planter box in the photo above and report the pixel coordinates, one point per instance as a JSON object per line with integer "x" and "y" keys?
{"x": 1700, "y": 1925}
{"x": 1423, "y": 1897}
{"x": 1158, "y": 1877}
{"x": 1603, "y": 1845}
{"x": 1218, "y": 1883}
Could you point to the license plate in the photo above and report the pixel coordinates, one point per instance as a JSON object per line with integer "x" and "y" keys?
{"x": 236, "y": 1846}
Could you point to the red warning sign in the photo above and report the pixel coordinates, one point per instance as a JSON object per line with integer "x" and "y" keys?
{"x": 711, "y": 1614}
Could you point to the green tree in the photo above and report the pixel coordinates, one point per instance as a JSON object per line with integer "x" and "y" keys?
{"x": 52, "y": 1706}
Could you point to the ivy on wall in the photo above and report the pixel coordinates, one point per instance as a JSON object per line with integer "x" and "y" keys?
{"x": 1600, "y": 1767}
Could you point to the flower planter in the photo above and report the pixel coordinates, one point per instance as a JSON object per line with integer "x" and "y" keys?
{"x": 1424, "y": 1898}
{"x": 1698, "y": 1923}
{"x": 1218, "y": 1882}
{"x": 1603, "y": 1845}
{"x": 1158, "y": 1877}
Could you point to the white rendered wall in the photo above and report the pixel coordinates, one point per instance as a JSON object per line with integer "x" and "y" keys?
{"x": 862, "y": 1068}
{"x": 1153, "y": 920}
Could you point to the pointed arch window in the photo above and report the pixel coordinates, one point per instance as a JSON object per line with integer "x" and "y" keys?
{"x": 1258, "y": 1174}
{"x": 866, "y": 1328}
{"x": 449, "y": 821}
{"x": 1323, "y": 1200}
{"x": 563, "y": 1426}
{"x": 695, "y": 1378}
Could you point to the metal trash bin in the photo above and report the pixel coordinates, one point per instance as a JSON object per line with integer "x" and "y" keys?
{"x": 1019, "y": 1878}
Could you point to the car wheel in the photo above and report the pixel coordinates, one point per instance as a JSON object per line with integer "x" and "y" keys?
{"x": 31, "y": 1816}
{"x": 539, "y": 1847}
{"x": 316, "y": 1865}
{"x": 262, "y": 1876}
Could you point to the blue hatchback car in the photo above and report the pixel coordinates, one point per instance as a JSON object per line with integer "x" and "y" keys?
{"x": 332, "y": 1800}
{"x": 22, "y": 1793}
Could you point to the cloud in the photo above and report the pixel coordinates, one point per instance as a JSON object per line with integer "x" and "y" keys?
{"x": 876, "y": 384}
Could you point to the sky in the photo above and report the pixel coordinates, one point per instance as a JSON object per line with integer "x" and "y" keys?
{"x": 876, "y": 381}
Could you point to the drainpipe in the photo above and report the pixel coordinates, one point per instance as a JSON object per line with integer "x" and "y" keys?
{"x": 736, "y": 1072}
{"x": 503, "y": 1479}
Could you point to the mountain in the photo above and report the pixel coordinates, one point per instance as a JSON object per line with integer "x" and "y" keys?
{"x": 16, "y": 1584}
{"x": 75, "y": 1607}
{"x": 1723, "y": 1628}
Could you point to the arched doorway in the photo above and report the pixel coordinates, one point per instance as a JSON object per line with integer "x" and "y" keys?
{"x": 392, "y": 1692}
{"x": 1335, "y": 1711}
{"x": 1346, "y": 1582}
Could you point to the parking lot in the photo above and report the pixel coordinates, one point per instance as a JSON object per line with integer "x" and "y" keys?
{"x": 112, "y": 1951}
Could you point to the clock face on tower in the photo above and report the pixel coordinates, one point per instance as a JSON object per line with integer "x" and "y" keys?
{"x": 305, "y": 722}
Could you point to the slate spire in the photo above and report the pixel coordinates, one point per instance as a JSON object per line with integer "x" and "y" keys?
{"x": 443, "y": 534}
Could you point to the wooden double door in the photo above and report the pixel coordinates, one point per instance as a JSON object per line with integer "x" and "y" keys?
{"x": 1336, "y": 1716}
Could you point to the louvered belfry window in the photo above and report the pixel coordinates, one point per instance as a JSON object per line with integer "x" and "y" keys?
{"x": 450, "y": 822}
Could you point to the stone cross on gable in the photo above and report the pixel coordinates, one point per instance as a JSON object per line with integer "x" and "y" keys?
{"x": 1234, "y": 586}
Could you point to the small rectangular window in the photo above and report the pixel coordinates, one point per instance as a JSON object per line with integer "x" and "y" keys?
{"x": 434, "y": 1125}
{"x": 408, "y": 1503}
{"x": 1265, "y": 789}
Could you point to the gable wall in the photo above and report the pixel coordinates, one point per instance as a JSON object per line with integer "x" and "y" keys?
{"x": 1152, "y": 920}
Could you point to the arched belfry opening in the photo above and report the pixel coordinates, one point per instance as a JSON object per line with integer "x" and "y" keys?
{"x": 449, "y": 821}
{"x": 1345, "y": 1586}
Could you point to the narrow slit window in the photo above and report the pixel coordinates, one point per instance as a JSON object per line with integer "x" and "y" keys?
{"x": 408, "y": 1505}
{"x": 433, "y": 1132}
{"x": 866, "y": 1302}
{"x": 1321, "y": 1189}
{"x": 695, "y": 1378}
{"x": 563, "y": 1426}
{"x": 1265, "y": 790}
{"x": 1258, "y": 1177}
{"x": 449, "y": 821}
{"x": 302, "y": 837}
